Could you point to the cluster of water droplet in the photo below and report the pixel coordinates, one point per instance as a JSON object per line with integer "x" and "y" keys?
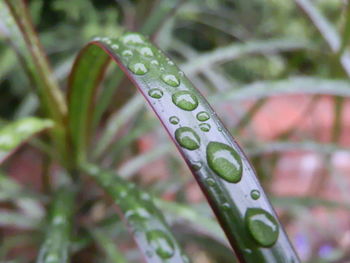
{"x": 141, "y": 59}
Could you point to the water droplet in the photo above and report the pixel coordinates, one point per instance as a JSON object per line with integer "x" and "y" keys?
{"x": 262, "y": 226}
{"x": 171, "y": 80}
{"x": 161, "y": 243}
{"x": 137, "y": 213}
{"x": 224, "y": 161}
{"x": 187, "y": 138}
{"x": 174, "y": 120}
{"x": 210, "y": 181}
{"x": 147, "y": 52}
{"x": 155, "y": 93}
{"x": 255, "y": 194}
{"x": 155, "y": 62}
{"x": 185, "y": 100}
{"x": 196, "y": 165}
{"x": 115, "y": 46}
{"x": 138, "y": 68}
{"x": 219, "y": 129}
{"x": 127, "y": 53}
{"x": 96, "y": 39}
{"x": 105, "y": 39}
{"x": 108, "y": 41}
{"x": 181, "y": 73}
{"x": 171, "y": 63}
{"x": 132, "y": 39}
{"x": 226, "y": 206}
{"x": 203, "y": 116}
{"x": 204, "y": 127}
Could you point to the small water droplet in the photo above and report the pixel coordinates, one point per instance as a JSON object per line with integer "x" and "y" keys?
{"x": 127, "y": 53}
{"x": 115, "y": 46}
{"x": 224, "y": 161}
{"x": 262, "y": 226}
{"x": 132, "y": 39}
{"x": 174, "y": 120}
{"x": 181, "y": 73}
{"x": 170, "y": 63}
{"x": 210, "y": 181}
{"x": 219, "y": 129}
{"x": 196, "y": 165}
{"x": 203, "y": 116}
{"x": 161, "y": 243}
{"x": 147, "y": 52}
{"x": 155, "y": 93}
{"x": 108, "y": 41}
{"x": 138, "y": 68}
{"x": 255, "y": 194}
{"x": 171, "y": 80}
{"x": 187, "y": 138}
{"x": 105, "y": 39}
{"x": 185, "y": 100}
{"x": 226, "y": 206}
{"x": 204, "y": 127}
{"x": 155, "y": 62}
{"x": 96, "y": 39}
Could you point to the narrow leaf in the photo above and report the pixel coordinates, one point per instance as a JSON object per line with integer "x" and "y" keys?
{"x": 327, "y": 31}
{"x": 145, "y": 221}
{"x": 55, "y": 248}
{"x": 217, "y": 162}
{"x": 16, "y": 133}
{"x": 235, "y": 51}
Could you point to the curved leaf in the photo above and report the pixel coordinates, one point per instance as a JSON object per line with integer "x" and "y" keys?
{"x": 147, "y": 224}
{"x": 55, "y": 248}
{"x": 16, "y": 133}
{"x": 217, "y": 162}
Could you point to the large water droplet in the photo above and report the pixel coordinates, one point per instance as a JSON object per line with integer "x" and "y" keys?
{"x": 203, "y": 116}
{"x": 138, "y": 68}
{"x": 171, "y": 80}
{"x": 262, "y": 226}
{"x": 187, "y": 138}
{"x": 155, "y": 93}
{"x": 255, "y": 194}
{"x": 132, "y": 38}
{"x": 204, "y": 127}
{"x": 161, "y": 243}
{"x": 174, "y": 120}
{"x": 224, "y": 161}
{"x": 185, "y": 100}
{"x": 147, "y": 52}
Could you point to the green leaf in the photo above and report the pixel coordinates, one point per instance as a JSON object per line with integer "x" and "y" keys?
{"x": 145, "y": 221}
{"x": 327, "y": 31}
{"x": 295, "y": 85}
{"x": 171, "y": 94}
{"x": 55, "y": 248}
{"x": 16, "y": 133}
{"x": 17, "y": 27}
{"x": 235, "y": 51}
{"x": 110, "y": 249}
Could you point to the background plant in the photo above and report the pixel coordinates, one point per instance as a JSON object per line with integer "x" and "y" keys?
{"x": 261, "y": 51}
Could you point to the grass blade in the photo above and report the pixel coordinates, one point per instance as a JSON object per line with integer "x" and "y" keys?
{"x": 235, "y": 51}
{"x": 147, "y": 224}
{"x": 225, "y": 179}
{"x": 55, "y": 248}
{"x": 16, "y": 133}
{"x": 295, "y": 85}
{"x": 113, "y": 255}
{"x": 17, "y": 26}
{"x": 327, "y": 31}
